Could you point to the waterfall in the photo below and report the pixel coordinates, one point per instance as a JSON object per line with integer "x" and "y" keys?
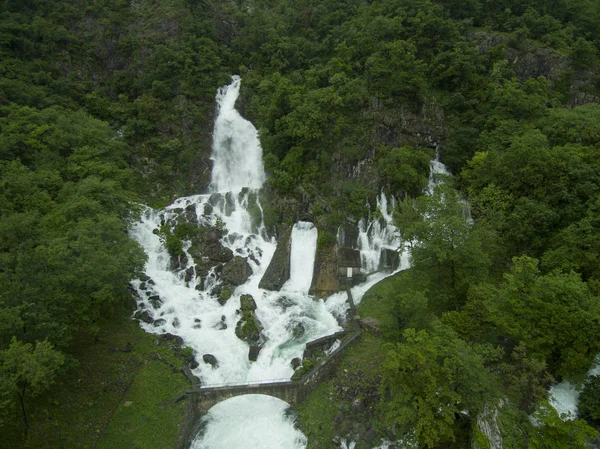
{"x": 302, "y": 257}
{"x": 185, "y": 294}
{"x": 377, "y": 234}
{"x": 237, "y": 154}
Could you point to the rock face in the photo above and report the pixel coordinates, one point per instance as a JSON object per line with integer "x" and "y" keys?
{"x": 348, "y": 235}
{"x": 206, "y": 244}
{"x": 530, "y": 62}
{"x": 487, "y": 422}
{"x": 237, "y": 271}
{"x": 389, "y": 259}
{"x": 325, "y": 277}
{"x": 278, "y": 271}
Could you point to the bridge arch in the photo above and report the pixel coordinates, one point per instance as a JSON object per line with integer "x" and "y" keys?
{"x": 205, "y": 398}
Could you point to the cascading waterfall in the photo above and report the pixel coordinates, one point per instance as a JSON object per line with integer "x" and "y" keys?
{"x": 176, "y": 297}
{"x": 237, "y": 154}
{"x": 377, "y": 234}
{"x": 183, "y": 294}
{"x": 565, "y": 396}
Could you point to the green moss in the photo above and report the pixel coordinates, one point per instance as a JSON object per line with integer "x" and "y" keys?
{"x": 247, "y": 329}
{"x": 307, "y": 365}
{"x": 226, "y": 292}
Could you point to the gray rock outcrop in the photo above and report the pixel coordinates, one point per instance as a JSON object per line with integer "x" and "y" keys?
{"x": 278, "y": 271}
{"x": 237, "y": 271}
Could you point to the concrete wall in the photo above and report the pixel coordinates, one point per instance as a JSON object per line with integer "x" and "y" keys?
{"x": 322, "y": 344}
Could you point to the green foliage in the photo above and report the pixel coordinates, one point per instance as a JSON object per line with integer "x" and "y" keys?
{"x": 428, "y": 379}
{"x": 405, "y": 170}
{"x": 556, "y": 433}
{"x": 588, "y": 406}
{"x": 545, "y": 312}
{"x": 26, "y": 369}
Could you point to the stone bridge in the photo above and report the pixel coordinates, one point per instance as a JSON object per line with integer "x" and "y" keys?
{"x": 203, "y": 399}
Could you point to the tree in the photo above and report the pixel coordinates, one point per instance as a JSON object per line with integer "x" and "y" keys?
{"x": 555, "y": 316}
{"x": 589, "y": 400}
{"x": 450, "y": 252}
{"x": 428, "y": 379}
{"x": 26, "y": 369}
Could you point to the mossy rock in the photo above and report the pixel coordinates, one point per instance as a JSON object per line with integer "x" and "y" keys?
{"x": 247, "y": 303}
{"x": 248, "y": 329}
{"x": 225, "y": 294}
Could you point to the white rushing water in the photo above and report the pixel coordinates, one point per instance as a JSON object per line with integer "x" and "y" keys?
{"x": 237, "y": 152}
{"x": 260, "y": 420}
{"x": 565, "y": 396}
{"x": 302, "y": 257}
{"x": 377, "y": 234}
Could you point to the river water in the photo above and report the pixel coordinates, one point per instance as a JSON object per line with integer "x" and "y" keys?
{"x": 181, "y": 304}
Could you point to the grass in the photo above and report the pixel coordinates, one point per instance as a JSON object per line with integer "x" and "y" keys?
{"x": 379, "y": 303}
{"x": 317, "y": 416}
{"x": 89, "y": 407}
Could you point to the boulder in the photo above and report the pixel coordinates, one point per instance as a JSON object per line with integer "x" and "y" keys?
{"x": 159, "y": 322}
{"x": 253, "y": 352}
{"x": 189, "y": 274}
{"x": 144, "y": 315}
{"x": 175, "y": 323}
{"x": 221, "y": 325}
{"x": 224, "y": 293}
{"x": 237, "y": 271}
{"x": 216, "y": 252}
{"x": 247, "y": 303}
{"x": 197, "y": 323}
{"x": 178, "y": 262}
{"x": 210, "y": 360}
{"x": 278, "y": 271}
{"x": 174, "y": 339}
{"x": 298, "y": 330}
{"x": 248, "y": 329}
{"x": 155, "y": 301}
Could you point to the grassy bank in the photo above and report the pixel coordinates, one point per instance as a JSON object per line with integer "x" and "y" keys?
{"x": 345, "y": 405}
{"x": 112, "y": 399}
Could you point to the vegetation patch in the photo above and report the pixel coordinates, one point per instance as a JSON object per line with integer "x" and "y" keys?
{"x": 112, "y": 399}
